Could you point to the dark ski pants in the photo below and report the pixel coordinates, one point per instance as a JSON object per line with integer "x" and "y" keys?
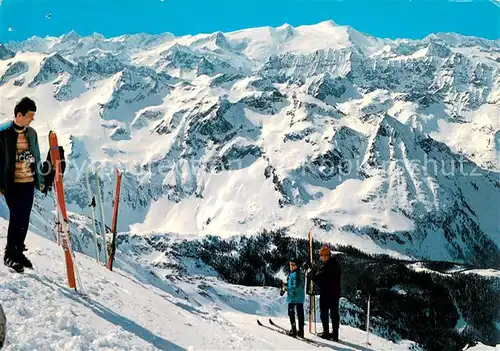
{"x": 300, "y": 313}
{"x": 329, "y": 305}
{"x": 19, "y": 199}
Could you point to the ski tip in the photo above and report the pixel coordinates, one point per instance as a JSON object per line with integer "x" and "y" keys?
{"x": 258, "y": 322}
{"x": 53, "y": 137}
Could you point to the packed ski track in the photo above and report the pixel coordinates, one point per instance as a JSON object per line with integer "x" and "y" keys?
{"x": 119, "y": 311}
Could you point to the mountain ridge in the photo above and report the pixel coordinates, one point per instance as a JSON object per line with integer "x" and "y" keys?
{"x": 319, "y": 118}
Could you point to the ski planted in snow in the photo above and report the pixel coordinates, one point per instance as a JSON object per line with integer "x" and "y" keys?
{"x": 62, "y": 216}
{"x": 310, "y": 285}
{"x": 101, "y": 209}
{"x": 283, "y": 331}
{"x": 92, "y": 205}
{"x": 112, "y": 248}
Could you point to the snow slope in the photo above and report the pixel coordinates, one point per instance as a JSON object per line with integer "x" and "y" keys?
{"x": 123, "y": 311}
{"x": 481, "y": 347}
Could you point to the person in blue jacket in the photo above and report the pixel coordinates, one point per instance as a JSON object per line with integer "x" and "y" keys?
{"x": 295, "y": 288}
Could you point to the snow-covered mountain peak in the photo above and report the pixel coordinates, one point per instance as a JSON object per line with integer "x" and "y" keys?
{"x": 308, "y": 110}
{"x": 5, "y": 53}
{"x": 389, "y": 146}
{"x": 326, "y": 24}
{"x": 286, "y": 31}
{"x": 458, "y": 40}
{"x": 71, "y": 36}
{"x": 215, "y": 41}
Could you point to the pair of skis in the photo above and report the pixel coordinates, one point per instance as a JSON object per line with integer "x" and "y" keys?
{"x": 279, "y": 329}
{"x": 62, "y": 222}
{"x": 63, "y": 235}
{"x": 109, "y": 248}
{"x": 312, "y": 302}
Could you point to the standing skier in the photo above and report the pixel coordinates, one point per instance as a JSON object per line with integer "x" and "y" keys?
{"x": 3, "y": 327}
{"x": 328, "y": 281}
{"x": 295, "y": 289}
{"x": 19, "y": 176}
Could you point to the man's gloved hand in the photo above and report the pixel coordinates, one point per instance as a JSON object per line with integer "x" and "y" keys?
{"x": 48, "y": 179}
{"x": 49, "y": 172}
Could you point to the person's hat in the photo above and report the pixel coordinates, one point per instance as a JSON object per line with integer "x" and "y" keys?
{"x": 325, "y": 251}
{"x": 297, "y": 261}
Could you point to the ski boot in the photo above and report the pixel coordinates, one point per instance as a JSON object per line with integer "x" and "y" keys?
{"x": 22, "y": 259}
{"x": 300, "y": 334}
{"x": 325, "y": 335}
{"x": 334, "y": 336}
{"x": 292, "y": 332}
{"x": 10, "y": 260}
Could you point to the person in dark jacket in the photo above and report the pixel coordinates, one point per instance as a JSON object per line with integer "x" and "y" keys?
{"x": 328, "y": 281}
{"x": 3, "y": 327}
{"x": 20, "y": 175}
{"x": 296, "y": 295}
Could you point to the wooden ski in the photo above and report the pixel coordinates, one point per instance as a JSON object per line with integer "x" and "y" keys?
{"x": 62, "y": 215}
{"x": 114, "y": 220}
{"x": 311, "y": 286}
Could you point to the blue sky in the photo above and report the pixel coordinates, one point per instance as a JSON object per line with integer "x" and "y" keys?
{"x": 382, "y": 18}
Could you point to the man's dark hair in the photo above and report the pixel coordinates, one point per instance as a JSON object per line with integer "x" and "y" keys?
{"x": 24, "y": 105}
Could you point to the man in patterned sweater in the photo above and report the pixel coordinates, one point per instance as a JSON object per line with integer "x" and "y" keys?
{"x": 20, "y": 175}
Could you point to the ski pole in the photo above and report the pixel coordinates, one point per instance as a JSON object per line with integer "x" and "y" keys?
{"x": 92, "y": 206}
{"x": 368, "y": 322}
{"x": 315, "y": 332}
{"x": 101, "y": 207}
